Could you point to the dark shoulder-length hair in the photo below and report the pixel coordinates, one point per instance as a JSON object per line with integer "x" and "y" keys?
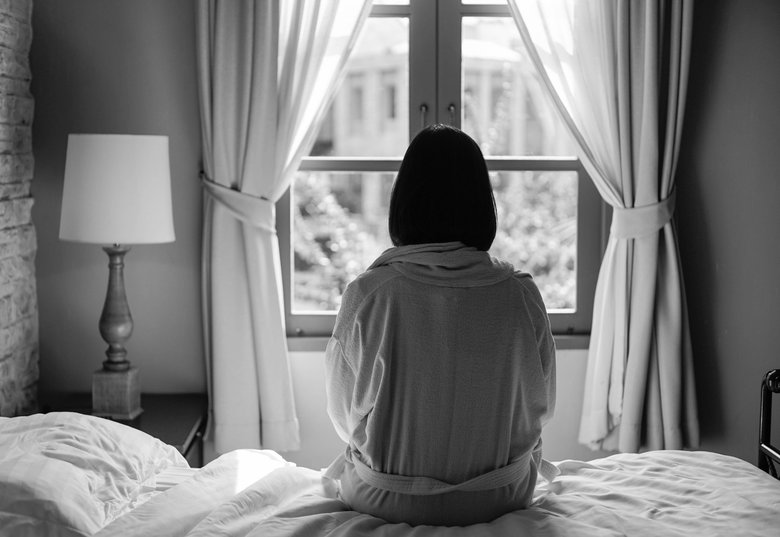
{"x": 442, "y": 192}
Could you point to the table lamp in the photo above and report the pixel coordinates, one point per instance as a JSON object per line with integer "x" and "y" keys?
{"x": 117, "y": 192}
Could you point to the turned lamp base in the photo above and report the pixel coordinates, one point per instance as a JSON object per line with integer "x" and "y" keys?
{"x": 116, "y": 391}
{"x": 116, "y": 394}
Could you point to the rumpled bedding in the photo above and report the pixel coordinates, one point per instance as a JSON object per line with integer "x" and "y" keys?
{"x": 67, "y": 475}
{"x": 661, "y": 493}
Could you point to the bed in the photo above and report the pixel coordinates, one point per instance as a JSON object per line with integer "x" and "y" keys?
{"x": 67, "y": 474}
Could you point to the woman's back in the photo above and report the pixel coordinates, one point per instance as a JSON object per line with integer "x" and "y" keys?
{"x": 454, "y": 366}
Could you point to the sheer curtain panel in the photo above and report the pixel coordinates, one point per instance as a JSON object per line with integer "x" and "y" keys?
{"x": 267, "y": 70}
{"x": 617, "y": 73}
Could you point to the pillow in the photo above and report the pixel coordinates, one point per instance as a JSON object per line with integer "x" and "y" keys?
{"x": 69, "y": 474}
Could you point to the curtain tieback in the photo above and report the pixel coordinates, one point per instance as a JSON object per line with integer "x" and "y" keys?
{"x": 254, "y": 210}
{"x": 635, "y": 222}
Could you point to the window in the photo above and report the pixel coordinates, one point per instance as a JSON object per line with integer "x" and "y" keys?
{"x": 444, "y": 61}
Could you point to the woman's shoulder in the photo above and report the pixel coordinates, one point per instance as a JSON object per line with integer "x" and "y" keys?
{"x": 527, "y": 285}
{"x": 359, "y": 293}
{"x": 367, "y": 283}
{"x": 524, "y": 280}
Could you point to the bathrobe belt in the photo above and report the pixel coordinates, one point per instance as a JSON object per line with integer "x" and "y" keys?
{"x": 513, "y": 472}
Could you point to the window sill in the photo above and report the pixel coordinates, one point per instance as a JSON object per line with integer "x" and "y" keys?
{"x": 318, "y": 344}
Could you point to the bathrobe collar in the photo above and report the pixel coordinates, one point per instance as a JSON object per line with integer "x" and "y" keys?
{"x": 450, "y": 264}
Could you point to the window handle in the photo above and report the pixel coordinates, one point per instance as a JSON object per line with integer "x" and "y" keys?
{"x": 451, "y": 110}
{"x": 423, "y": 114}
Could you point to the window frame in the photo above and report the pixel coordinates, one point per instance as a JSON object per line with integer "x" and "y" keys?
{"x": 432, "y": 100}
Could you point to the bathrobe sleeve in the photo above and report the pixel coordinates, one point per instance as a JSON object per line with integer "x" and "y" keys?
{"x": 353, "y": 371}
{"x": 352, "y": 379}
{"x": 545, "y": 345}
{"x": 546, "y": 351}
{"x": 339, "y": 387}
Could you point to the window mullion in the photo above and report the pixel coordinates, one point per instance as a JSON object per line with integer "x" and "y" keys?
{"x": 448, "y": 62}
{"x": 422, "y": 62}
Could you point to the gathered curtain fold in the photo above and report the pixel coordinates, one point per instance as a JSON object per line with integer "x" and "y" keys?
{"x": 267, "y": 71}
{"x": 617, "y": 74}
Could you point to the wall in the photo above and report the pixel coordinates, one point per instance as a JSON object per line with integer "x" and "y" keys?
{"x": 729, "y": 190}
{"x": 113, "y": 66}
{"x": 18, "y": 302}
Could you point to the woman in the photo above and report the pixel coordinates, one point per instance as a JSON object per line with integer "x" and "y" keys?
{"x": 441, "y": 368}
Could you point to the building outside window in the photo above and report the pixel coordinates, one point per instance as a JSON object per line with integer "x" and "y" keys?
{"x": 389, "y": 90}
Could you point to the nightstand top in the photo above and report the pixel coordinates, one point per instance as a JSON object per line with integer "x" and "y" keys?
{"x": 175, "y": 419}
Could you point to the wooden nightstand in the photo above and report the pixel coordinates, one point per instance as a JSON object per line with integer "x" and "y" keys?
{"x": 176, "y": 419}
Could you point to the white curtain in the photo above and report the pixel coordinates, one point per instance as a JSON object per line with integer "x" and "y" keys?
{"x": 267, "y": 70}
{"x": 617, "y": 72}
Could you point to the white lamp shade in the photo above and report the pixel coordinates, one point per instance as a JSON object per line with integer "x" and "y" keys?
{"x": 117, "y": 190}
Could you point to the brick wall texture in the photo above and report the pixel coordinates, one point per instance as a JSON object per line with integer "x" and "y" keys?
{"x": 18, "y": 298}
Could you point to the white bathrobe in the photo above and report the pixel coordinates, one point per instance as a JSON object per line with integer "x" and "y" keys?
{"x": 440, "y": 376}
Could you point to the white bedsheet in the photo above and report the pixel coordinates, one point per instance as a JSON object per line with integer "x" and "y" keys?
{"x": 64, "y": 474}
{"x": 663, "y": 493}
